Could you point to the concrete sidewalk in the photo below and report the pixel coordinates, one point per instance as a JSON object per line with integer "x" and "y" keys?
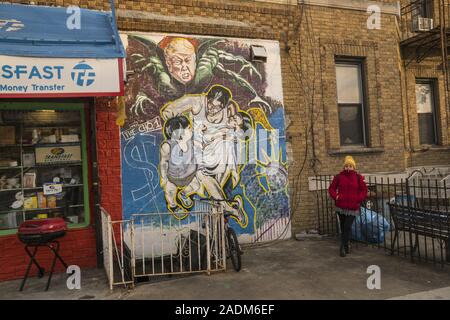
{"x": 291, "y": 269}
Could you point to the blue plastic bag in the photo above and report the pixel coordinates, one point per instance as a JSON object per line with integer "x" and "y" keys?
{"x": 370, "y": 226}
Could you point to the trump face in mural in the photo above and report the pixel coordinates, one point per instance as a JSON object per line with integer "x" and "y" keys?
{"x": 180, "y": 57}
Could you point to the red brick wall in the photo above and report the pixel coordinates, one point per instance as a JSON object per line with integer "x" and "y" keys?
{"x": 108, "y": 157}
{"x": 78, "y": 246}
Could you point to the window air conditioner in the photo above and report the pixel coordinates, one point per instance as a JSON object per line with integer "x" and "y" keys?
{"x": 422, "y": 24}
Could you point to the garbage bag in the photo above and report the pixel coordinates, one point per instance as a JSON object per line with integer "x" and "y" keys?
{"x": 370, "y": 226}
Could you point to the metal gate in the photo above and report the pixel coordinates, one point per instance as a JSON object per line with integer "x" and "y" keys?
{"x": 159, "y": 244}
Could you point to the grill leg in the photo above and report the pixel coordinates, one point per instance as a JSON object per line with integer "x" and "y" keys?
{"x": 56, "y": 256}
{"x": 447, "y": 250}
{"x": 32, "y": 260}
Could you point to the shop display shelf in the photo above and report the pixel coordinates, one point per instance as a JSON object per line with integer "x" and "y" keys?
{"x": 56, "y": 164}
{"x": 56, "y": 144}
{"x": 54, "y": 208}
{"x": 11, "y": 190}
{"x": 40, "y": 188}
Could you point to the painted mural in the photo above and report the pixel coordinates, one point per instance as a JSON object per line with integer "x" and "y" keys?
{"x": 204, "y": 121}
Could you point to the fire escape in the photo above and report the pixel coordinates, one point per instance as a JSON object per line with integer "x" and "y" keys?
{"x": 425, "y": 30}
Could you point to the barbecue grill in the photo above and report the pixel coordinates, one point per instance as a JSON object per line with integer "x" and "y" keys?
{"x": 42, "y": 233}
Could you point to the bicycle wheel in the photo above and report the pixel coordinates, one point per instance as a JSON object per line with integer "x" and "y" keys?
{"x": 234, "y": 250}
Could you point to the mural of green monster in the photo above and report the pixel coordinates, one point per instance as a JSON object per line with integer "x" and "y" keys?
{"x": 184, "y": 65}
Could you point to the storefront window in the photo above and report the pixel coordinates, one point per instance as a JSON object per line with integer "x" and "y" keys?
{"x": 43, "y": 171}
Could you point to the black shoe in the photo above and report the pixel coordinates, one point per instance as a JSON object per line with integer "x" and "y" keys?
{"x": 342, "y": 251}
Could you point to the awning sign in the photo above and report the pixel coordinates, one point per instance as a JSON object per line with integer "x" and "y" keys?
{"x": 59, "y": 77}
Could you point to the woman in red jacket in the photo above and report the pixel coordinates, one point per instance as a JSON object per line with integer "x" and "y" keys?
{"x": 348, "y": 189}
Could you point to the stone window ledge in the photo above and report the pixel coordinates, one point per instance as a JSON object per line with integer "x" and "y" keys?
{"x": 354, "y": 150}
{"x": 425, "y": 148}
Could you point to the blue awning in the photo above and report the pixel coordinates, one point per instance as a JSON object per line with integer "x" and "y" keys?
{"x": 40, "y": 31}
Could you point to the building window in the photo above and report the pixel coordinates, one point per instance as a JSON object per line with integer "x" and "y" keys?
{"x": 350, "y": 95}
{"x": 426, "y": 111}
{"x": 43, "y": 165}
{"x": 422, "y": 8}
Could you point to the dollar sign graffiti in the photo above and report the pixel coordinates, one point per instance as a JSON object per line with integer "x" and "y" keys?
{"x": 136, "y": 155}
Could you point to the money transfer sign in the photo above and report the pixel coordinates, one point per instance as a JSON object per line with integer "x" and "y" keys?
{"x": 59, "y": 77}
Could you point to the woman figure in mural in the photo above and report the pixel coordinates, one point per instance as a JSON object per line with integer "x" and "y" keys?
{"x": 348, "y": 189}
{"x": 180, "y": 65}
{"x": 215, "y": 118}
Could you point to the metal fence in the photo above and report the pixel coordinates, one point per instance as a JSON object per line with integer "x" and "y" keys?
{"x": 160, "y": 244}
{"x": 407, "y": 216}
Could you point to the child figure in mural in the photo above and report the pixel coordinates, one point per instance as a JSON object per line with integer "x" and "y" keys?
{"x": 214, "y": 116}
{"x": 177, "y": 164}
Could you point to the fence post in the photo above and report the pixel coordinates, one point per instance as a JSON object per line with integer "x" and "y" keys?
{"x": 222, "y": 233}
{"x": 110, "y": 253}
{"x": 133, "y": 257}
{"x": 208, "y": 248}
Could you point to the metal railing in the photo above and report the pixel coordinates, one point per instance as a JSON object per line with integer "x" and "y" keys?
{"x": 407, "y": 217}
{"x": 161, "y": 244}
{"x": 115, "y": 260}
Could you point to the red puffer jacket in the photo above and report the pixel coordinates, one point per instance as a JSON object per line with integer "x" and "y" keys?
{"x": 351, "y": 192}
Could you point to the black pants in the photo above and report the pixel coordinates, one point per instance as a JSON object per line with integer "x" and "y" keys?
{"x": 346, "y": 223}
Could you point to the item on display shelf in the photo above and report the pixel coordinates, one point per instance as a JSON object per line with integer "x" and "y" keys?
{"x": 42, "y": 216}
{"x": 28, "y": 160}
{"x": 7, "y": 135}
{"x": 58, "y": 134}
{"x": 69, "y": 138}
{"x": 9, "y": 183}
{"x": 35, "y": 136}
{"x": 30, "y": 202}
{"x": 66, "y": 173}
{"x": 52, "y": 155}
{"x": 12, "y": 183}
{"x": 48, "y": 139}
{"x": 19, "y": 201}
{"x": 51, "y": 201}
{"x": 73, "y": 219}
{"x": 56, "y": 180}
{"x": 29, "y": 180}
{"x": 8, "y": 220}
{"x": 8, "y": 163}
{"x": 42, "y": 200}
{"x": 52, "y": 188}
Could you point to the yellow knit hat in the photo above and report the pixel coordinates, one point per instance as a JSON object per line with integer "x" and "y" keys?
{"x": 350, "y": 161}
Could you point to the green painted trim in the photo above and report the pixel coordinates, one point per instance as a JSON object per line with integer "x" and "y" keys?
{"x": 41, "y": 105}
{"x": 8, "y": 232}
{"x": 87, "y": 216}
{"x": 59, "y": 106}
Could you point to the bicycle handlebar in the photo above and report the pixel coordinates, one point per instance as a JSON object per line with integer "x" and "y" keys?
{"x": 215, "y": 200}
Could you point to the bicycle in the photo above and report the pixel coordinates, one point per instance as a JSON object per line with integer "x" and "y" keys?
{"x": 232, "y": 247}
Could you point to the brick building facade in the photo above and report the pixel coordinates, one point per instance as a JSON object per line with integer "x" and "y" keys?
{"x": 312, "y": 37}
